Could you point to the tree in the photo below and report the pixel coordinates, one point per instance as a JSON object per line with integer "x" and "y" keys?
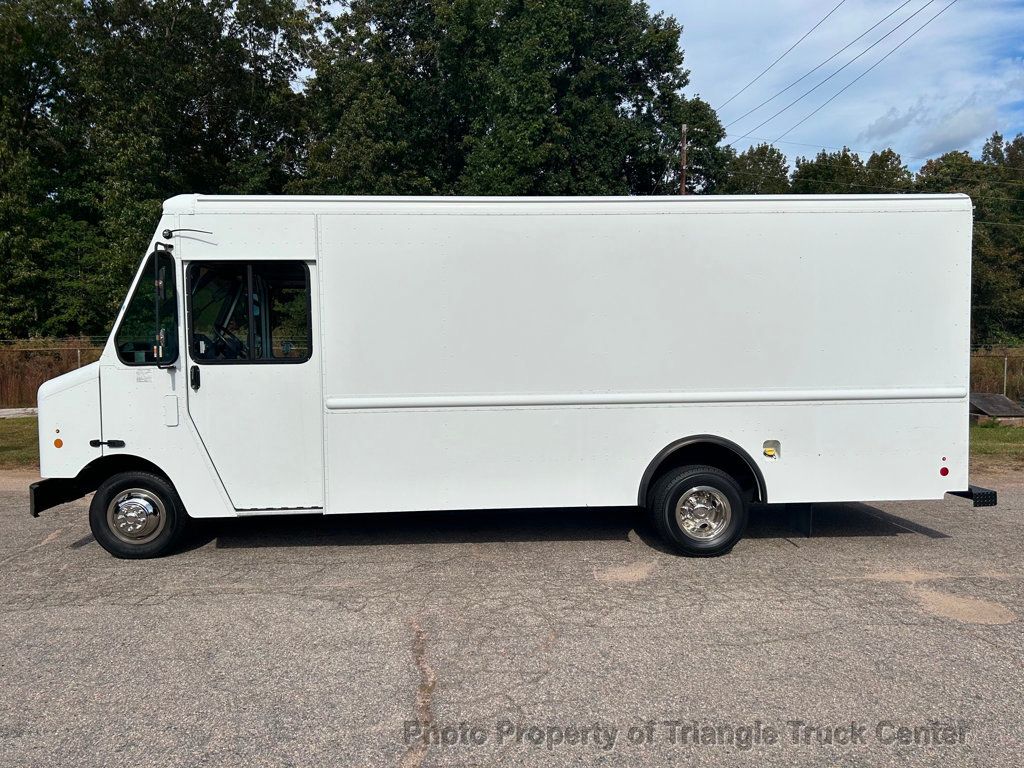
{"x": 999, "y": 242}
{"x": 952, "y": 172}
{"x": 503, "y": 97}
{"x": 885, "y": 173}
{"x": 830, "y": 173}
{"x": 760, "y": 170}
{"x": 33, "y": 39}
{"x": 997, "y": 287}
{"x": 110, "y": 106}
{"x": 994, "y": 151}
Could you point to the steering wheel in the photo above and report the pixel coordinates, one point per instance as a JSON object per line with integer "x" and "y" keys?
{"x": 230, "y": 339}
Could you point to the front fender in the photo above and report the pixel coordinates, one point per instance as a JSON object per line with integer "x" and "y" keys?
{"x": 69, "y": 419}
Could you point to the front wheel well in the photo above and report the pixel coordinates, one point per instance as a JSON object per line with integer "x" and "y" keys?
{"x": 711, "y": 451}
{"x": 95, "y": 472}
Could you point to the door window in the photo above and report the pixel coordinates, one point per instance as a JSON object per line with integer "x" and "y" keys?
{"x": 256, "y": 312}
{"x": 148, "y": 334}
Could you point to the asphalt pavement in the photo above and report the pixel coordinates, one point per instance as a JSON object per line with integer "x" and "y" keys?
{"x": 893, "y": 636}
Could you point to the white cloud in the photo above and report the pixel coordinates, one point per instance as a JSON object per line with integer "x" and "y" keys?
{"x": 950, "y": 87}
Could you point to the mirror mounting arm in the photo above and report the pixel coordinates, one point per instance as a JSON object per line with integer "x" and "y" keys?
{"x": 167, "y": 234}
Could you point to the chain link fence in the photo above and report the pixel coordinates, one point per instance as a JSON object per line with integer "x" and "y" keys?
{"x": 999, "y": 371}
{"x": 27, "y": 363}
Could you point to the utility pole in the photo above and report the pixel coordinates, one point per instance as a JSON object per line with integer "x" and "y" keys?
{"x": 682, "y": 160}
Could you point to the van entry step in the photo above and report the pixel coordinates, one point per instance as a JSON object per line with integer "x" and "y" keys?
{"x": 982, "y": 497}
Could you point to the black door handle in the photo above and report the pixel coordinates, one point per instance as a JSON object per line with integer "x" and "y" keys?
{"x": 193, "y": 376}
{"x": 109, "y": 443}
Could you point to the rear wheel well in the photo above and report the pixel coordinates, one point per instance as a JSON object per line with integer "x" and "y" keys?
{"x": 709, "y": 451}
{"x": 95, "y": 472}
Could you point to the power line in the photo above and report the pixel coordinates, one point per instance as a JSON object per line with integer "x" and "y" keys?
{"x": 826, "y": 61}
{"x": 825, "y": 146}
{"x": 784, "y": 55}
{"x": 766, "y": 140}
{"x": 808, "y": 92}
{"x": 869, "y": 69}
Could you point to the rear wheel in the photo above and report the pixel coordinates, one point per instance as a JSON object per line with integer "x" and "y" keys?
{"x": 699, "y": 511}
{"x": 137, "y": 515}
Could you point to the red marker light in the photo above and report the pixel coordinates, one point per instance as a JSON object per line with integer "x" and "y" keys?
{"x": 944, "y": 471}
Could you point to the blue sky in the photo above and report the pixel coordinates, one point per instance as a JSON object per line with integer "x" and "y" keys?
{"x": 949, "y": 87}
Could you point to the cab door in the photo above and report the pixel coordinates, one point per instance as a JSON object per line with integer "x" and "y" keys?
{"x": 139, "y": 380}
{"x": 254, "y": 379}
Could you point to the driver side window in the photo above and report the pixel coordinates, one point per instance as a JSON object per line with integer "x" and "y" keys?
{"x": 257, "y": 312}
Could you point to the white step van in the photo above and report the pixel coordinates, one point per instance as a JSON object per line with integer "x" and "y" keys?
{"x": 689, "y": 355}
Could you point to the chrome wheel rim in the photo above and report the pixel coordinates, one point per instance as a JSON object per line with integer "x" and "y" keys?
{"x": 703, "y": 512}
{"x": 136, "y": 516}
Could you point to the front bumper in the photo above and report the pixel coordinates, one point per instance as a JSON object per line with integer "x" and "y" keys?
{"x": 982, "y": 497}
{"x": 47, "y": 494}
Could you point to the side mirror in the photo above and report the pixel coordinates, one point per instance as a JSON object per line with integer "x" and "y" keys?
{"x": 161, "y": 294}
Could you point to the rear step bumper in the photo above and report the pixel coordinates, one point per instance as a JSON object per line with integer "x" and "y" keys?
{"x": 982, "y": 497}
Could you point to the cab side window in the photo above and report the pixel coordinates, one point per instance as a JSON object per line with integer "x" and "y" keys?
{"x": 257, "y": 312}
{"x": 148, "y": 333}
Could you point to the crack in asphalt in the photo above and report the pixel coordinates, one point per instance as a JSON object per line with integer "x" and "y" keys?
{"x": 417, "y": 751}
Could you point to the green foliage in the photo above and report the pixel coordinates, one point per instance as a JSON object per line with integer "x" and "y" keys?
{"x": 33, "y": 37}
{"x": 760, "y": 170}
{"x": 19, "y": 443}
{"x": 885, "y": 173}
{"x": 830, "y": 173}
{"x": 994, "y": 439}
{"x": 503, "y": 97}
{"x": 107, "y": 107}
{"x": 996, "y": 186}
{"x": 844, "y": 173}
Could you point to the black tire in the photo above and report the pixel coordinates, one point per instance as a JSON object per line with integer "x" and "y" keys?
{"x": 149, "y": 497}
{"x": 671, "y": 487}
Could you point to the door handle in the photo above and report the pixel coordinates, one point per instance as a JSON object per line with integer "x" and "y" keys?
{"x": 193, "y": 377}
{"x": 109, "y": 443}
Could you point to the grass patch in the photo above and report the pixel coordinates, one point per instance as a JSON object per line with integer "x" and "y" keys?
{"x": 19, "y": 443}
{"x": 997, "y": 440}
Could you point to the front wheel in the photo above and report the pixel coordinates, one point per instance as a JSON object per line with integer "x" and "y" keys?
{"x": 698, "y": 511}
{"x": 136, "y": 515}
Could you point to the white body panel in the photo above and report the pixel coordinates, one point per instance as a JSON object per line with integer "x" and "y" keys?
{"x": 69, "y": 411}
{"x": 475, "y": 353}
{"x": 262, "y": 427}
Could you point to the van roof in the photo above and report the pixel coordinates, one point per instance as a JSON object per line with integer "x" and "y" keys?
{"x": 191, "y": 204}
